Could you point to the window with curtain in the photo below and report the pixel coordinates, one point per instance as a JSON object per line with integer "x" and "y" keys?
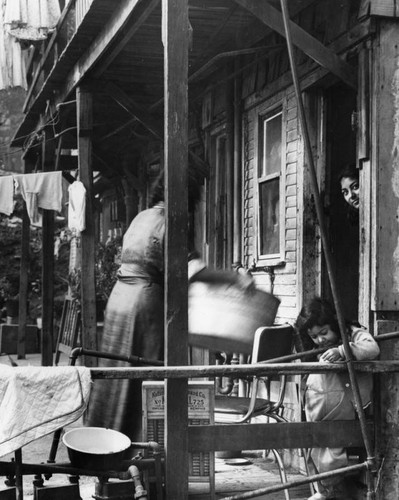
{"x": 269, "y": 188}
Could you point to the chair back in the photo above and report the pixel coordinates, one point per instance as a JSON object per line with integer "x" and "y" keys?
{"x": 272, "y": 342}
{"x": 70, "y": 329}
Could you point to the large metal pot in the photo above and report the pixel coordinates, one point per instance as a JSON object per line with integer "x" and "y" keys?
{"x": 225, "y": 318}
{"x": 95, "y": 448}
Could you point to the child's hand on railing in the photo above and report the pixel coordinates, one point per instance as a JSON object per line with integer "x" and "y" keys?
{"x": 331, "y": 356}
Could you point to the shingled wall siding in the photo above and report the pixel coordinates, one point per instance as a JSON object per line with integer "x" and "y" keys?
{"x": 285, "y": 283}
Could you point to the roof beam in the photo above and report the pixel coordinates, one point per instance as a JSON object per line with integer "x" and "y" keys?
{"x": 139, "y": 19}
{"x": 109, "y": 35}
{"x": 147, "y": 120}
{"x": 301, "y": 38}
{"x": 133, "y": 109}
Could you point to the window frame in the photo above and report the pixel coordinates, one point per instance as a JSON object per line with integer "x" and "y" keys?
{"x": 278, "y": 257}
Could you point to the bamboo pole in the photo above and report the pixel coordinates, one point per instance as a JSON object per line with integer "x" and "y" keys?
{"x": 324, "y": 240}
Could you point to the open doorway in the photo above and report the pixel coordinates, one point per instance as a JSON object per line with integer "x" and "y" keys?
{"x": 343, "y": 231}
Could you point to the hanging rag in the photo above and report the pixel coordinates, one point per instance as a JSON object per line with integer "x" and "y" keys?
{"x": 31, "y": 19}
{"x": 36, "y": 401}
{"x": 77, "y": 207}
{"x": 12, "y": 60}
{"x": 42, "y": 190}
{"x": 7, "y": 194}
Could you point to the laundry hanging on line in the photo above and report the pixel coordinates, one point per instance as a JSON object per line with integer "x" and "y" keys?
{"x": 12, "y": 60}
{"x": 77, "y": 207}
{"x": 31, "y": 19}
{"x": 43, "y": 190}
{"x": 7, "y": 194}
{"x": 40, "y": 190}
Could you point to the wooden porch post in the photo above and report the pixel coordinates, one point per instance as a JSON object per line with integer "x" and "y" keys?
{"x": 175, "y": 40}
{"x": 384, "y": 299}
{"x": 84, "y": 108}
{"x": 48, "y": 158}
{"x": 229, "y": 100}
{"x": 237, "y": 166}
{"x": 23, "y": 285}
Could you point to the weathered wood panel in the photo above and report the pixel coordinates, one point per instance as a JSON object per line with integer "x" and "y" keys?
{"x": 385, "y": 123}
{"x": 84, "y": 118}
{"x": 281, "y": 436}
{"x": 175, "y": 40}
{"x": 46, "y": 344}
{"x": 386, "y": 8}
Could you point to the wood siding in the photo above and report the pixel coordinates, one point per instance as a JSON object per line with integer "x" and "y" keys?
{"x": 285, "y": 280}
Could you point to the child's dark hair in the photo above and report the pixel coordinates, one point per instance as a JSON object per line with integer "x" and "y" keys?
{"x": 350, "y": 170}
{"x": 318, "y": 312}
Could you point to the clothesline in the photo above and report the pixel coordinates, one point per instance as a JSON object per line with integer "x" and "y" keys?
{"x": 43, "y": 190}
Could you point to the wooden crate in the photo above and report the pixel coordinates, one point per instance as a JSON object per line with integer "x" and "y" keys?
{"x": 200, "y": 412}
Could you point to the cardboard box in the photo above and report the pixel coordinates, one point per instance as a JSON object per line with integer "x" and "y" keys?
{"x": 201, "y": 409}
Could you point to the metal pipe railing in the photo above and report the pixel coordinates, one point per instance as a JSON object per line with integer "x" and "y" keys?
{"x": 163, "y": 372}
{"x": 324, "y": 240}
{"x": 299, "y": 482}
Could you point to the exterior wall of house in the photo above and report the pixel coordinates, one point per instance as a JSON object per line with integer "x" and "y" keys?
{"x": 284, "y": 285}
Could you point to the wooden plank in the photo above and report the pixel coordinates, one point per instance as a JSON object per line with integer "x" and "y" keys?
{"x": 237, "y": 166}
{"x": 139, "y": 19}
{"x": 175, "y": 40}
{"x": 363, "y": 105}
{"x": 48, "y": 153}
{"x": 308, "y": 44}
{"x": 386, "y": 8}
{"x": 84, "y": 118}
{"x": 23, "y": 284}
{"x": 365, "y": 217}
{"x": 385, "y": 137}
{"x": 291, "y": 435}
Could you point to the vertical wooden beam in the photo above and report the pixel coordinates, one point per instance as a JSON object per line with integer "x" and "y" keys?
{"x": 84, "y": 103}
{"x": 23, "y": 285}
{"x": 175, "y": 40}
{"x": 385, "y": 123}
{"x": 229, "y": 166}
{"x": 384, "y": 178}
{"x": 48, "y": 158}
{"x": 363, "y": 156}
{"x": 237, "y": 180}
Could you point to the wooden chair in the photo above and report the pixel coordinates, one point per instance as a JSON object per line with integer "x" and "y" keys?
{"x": 269, "y": 342}
{"x": 70, "y": 328}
